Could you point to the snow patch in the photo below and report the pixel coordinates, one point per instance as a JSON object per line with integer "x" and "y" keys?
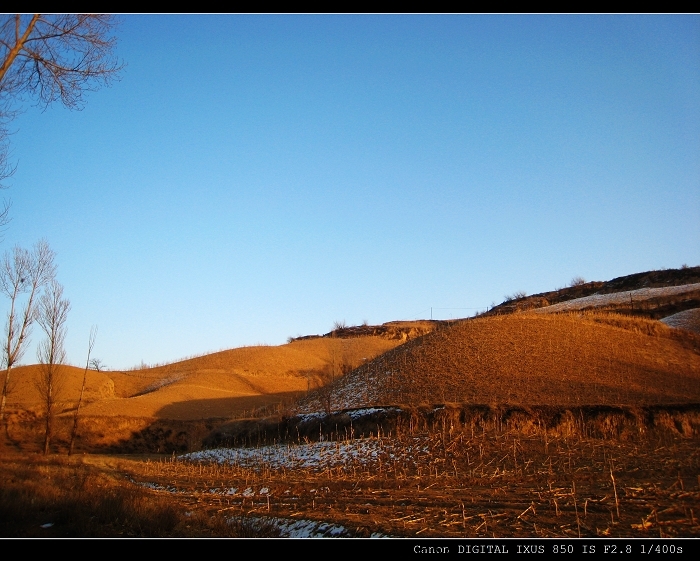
{"x": 314, "y": 455}
{"x": 688, "y": 319}
{"x": 597, "y": 300}
{"x": 289, "y": 528}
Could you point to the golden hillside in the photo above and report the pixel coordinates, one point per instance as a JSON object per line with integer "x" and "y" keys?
{"x": 531, "y": 359}
{"x": 223, "y": 384}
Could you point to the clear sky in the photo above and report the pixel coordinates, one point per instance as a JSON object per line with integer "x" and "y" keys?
{"x": 252, "y": 178}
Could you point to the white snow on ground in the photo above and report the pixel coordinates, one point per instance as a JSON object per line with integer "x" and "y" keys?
{"x": 688, "y": 319}
{"x": 305, "y": 417}
{"x": 357, "y": 389}
{"x": 639, "y": 295}
{"x": 314, "y": 455}
{"x": 354, "y": 390}
{"x": 291, "y": 528}
{"x": 156, "y": 486}
{"x": 354, "y": 414}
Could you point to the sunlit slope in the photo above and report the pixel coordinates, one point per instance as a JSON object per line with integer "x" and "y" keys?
{"x": 532, "y": 359}
{"x": 216, "y": 385}
{"x": 24, "y": 394}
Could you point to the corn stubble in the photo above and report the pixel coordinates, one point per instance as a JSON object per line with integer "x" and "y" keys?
{"x": 490, "y": 483}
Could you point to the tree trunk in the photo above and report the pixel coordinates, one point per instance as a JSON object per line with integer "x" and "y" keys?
{"x": 74, "y": 432}
{"x": 4, "y": 393}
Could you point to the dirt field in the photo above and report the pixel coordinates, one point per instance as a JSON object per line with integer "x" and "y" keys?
{"x": 485, "y": 485}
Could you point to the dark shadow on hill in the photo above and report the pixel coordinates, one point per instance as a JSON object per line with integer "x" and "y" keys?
{"x": 185, "y": 426}
{"x": 178, "y": 427}
{"x": 143, "y": 436}
{"x": 255, "y": 406}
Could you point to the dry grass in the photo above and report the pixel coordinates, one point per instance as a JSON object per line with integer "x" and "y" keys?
{"x": 529, "y": 359}
{"x": 56, "y": 497}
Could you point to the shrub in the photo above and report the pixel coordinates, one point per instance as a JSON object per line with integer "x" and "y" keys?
{"x": 515, "y": 296}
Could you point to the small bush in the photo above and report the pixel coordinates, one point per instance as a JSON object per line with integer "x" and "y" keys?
{"x": 515, "y": 296}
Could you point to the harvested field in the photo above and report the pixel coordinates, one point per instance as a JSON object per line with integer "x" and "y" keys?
{"x": 482, "y": 485}
{"x": 431, "y": 483}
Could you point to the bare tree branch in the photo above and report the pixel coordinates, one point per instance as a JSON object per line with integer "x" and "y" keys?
{"x": 22, "y": 272}
{"x": 52, "y": 314}
{"x": 91, "y": 343}
{"x": 52, "y": 57}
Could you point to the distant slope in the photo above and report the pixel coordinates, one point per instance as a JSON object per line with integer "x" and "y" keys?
{"x": 530, "y": 359}
{"x": 401, "y": 330}
{"x": 688, "y": 320}
{"x": 23, "y": 393}
{"x": 640, "y": 300}
{"x": 661, "y": 307}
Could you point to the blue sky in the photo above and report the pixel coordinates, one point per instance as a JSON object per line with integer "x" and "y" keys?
{"x": 252, "y": 178}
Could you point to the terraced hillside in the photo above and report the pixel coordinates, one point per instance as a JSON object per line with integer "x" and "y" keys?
{"x": 648, "y": 300}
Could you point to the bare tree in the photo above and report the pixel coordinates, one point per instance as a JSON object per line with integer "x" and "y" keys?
{"x": 22, "y": 272}
{"x": 51, "y": 316}
{"x": 96, "y": 362}
{"x": 48, "y": 58}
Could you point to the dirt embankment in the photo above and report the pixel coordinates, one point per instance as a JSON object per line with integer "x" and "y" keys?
{"x": 393, "y": 330}
{"x": 451, "y": 419}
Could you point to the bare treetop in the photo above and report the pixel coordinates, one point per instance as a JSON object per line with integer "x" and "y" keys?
{"x": 22, "y": 272}
{"x": 56, "y": 57}
{"x": 48, "y": 58}
{"x": 52, "y": 314}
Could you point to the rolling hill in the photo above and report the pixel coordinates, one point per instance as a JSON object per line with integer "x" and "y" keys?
{"x": 530, "y": 359}
{"x": 223, "y": 384}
